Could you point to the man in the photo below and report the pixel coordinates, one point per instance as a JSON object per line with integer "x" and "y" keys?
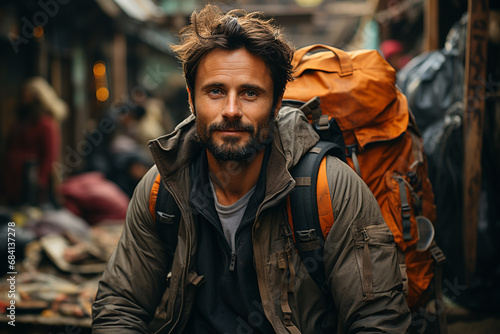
{"x": 235, "y": 270}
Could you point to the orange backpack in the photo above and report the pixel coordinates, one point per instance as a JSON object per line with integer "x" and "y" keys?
{"x": 383, "y": 145}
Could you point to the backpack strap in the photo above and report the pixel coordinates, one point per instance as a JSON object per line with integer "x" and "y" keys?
{"x": 405, "y": 208}
{"x": 311, "y": 222}
{"x": 165, "y": 213}
{"x": 153, "y": 195}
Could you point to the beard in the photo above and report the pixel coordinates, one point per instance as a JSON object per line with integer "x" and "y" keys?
{"x": 235, "y": 149}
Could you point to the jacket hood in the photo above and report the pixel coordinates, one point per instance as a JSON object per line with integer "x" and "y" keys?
{"x": 296, "y": 134}
{"x": 176, "y": 150}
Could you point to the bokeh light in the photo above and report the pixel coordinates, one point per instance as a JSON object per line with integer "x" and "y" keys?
{"x": 38, "y": 32}
{"x": 99, "y": 69}
{"x": 102, "y": 94}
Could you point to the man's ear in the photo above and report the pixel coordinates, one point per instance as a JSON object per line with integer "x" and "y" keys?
{"x": 190, "y": 101}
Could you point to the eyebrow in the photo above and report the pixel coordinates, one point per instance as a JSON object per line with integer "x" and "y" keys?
{"x": 247, "y": 86}
{"x": 254, "y": 87}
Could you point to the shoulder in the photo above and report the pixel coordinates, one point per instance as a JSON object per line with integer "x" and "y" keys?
{"x": 341, "y": 177}
{"x": 351, "y": 198}
{"x": 149, "y": 179}
{"x": 145, "y": 188}
{"x": 139, "y": 209}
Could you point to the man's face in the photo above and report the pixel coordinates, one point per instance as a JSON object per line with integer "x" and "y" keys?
{"x": 233, "y": 97}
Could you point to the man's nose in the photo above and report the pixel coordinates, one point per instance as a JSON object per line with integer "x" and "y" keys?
{"x": 232, "y": 108}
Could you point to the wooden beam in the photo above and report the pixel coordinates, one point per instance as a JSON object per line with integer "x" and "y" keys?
{"x": 55, "y": 75}
{"x": 119, "y": 66}
{"x": 475, "y": 78}
{"x": 431, "y": 25}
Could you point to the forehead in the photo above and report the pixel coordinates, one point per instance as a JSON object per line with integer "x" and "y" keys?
{"x": 233, "y": 67}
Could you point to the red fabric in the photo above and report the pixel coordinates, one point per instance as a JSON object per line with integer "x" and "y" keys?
{"x": 39, "y": 141}
{"x": 94, "y": 198}
{"x": 390, "y": 47}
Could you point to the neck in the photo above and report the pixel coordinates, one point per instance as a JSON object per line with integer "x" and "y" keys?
{"x": 233, "y": 179}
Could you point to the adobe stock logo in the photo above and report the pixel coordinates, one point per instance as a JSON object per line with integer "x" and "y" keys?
{"x": 48, "y": 9}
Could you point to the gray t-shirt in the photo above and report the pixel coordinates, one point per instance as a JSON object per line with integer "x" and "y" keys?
{"x": 230, "y": 216}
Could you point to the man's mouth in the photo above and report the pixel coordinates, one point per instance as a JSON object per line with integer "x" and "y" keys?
{"x": 231, "y": 128}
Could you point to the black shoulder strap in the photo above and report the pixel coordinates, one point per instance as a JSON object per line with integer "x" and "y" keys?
{"x": 167, "y": 218}
{"x": 309, "y": 239}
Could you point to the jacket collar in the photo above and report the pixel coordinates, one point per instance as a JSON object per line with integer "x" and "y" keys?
{"x": 293, "y": 136}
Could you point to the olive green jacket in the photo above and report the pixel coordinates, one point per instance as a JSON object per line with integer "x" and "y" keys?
{"x": 360, "y": 254}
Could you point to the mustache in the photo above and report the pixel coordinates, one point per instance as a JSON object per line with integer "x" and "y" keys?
{"x": 235, "y": 126}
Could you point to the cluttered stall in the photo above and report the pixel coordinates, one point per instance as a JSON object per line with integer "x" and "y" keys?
{"x": 55, "y": 258}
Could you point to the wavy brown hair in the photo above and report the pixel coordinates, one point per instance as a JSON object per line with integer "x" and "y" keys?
{"x": 212, "y": 29}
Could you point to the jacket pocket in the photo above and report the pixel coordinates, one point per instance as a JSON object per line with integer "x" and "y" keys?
{"x": 165, "y": 311}
{"x": 193, "y": 281}
{"x": 375, "y": 252}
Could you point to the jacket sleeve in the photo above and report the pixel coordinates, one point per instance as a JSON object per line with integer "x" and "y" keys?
{"x": 361, "y": 259}
{"x": 134, "y": 279}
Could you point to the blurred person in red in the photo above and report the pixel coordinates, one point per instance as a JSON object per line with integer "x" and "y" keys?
{"x": 33, "y": 145}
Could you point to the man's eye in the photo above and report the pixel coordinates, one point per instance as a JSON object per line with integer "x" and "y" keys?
{"x": 251, "y": 93}
{"x": 215, "y": 91}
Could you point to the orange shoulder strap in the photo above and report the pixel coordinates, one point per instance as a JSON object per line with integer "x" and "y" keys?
{"x": 153, "y": 195}
{"x": 325, "y": 208}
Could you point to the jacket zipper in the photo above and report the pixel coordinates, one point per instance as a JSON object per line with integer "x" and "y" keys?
{"x": 233, "y": 261}
{"x": 225, "y": 247}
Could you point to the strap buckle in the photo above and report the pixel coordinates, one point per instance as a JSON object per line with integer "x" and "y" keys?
{"x": 306, "y": 235}
{"x": 165, "y": 217}
{"x": 322, "y": 127}
{"x": 437, "y": 254}
{"x": 405, "y": 211}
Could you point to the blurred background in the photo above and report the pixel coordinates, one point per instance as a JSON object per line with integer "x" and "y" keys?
{"x": 84, "y": 85}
